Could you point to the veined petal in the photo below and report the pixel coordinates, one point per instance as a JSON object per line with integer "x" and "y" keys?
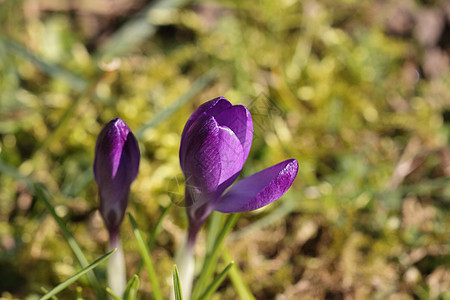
{"x": 201, "y": 161}
{"x": 259, "y": 189}
{"x": 239, "y": 120}
{"x": 210, "y": 108}
{"x": 231, "y": 155}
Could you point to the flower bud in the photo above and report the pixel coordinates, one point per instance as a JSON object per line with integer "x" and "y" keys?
{"x": 115, "y": 167}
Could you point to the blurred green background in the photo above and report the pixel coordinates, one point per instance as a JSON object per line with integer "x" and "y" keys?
{"x": 357, "y": 91}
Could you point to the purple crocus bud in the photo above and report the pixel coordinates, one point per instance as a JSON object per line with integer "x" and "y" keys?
{"x": 115, "y": 167}
{"x": 215, "y": 144}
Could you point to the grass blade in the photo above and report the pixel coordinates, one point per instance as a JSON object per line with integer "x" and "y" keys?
{"x": 177, "y": 284}
{"x": 211, "y": 258}
{"x": 46, "y": 291}
{"x": 131, "y": 291}
{"x": 154, "y": 233}
{"x": 74, "y": 188}
{"x": 111, "y": 293}
{"x": 75, "y": 82}
{"x": 158, "y": 226}
{"x": 145, "y": 254}
{"x": 238, "y": 282}
{"x": 216, "y": 283}
{"x": 43, "y": 195}
{"x": 75, "y": 277}
{"x": 12, "y": 172}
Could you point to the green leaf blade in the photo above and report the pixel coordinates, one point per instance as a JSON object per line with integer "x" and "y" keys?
{"x": 177, "y": 284}
{"x": 132, "y": 288}
{"x": 145, "y": 253}
{"x": 75, "y": 277}
{"x": 216, "y": 283}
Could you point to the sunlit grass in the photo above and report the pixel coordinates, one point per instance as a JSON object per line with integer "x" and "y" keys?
{"x": 326, "y": 82}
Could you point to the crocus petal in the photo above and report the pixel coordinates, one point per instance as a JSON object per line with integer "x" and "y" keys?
{"x": 239, "y": 120}
{"x": 231, "y": 154}
{"x": 113, "y": 203}
{"x": 115, "y": 167}
{"x": 116, "y": 153}
{"x": 259, "y": 189}
{"x": 209, "y": 108}
{"x": 108, "y": 149}
{"x": 201, "y": 161}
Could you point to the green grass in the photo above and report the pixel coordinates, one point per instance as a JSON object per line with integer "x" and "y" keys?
{"x": 330, "y": 83}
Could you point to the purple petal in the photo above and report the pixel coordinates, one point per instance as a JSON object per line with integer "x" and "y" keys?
{"x": 108, "y": 149}
{"x": 200, "y": 162}
{"x": 116, "y": 153}
{"x": 231, "y": 154}
{"x": 239, "y": 120}
{"x": 210, "y": 108}
{"x": 259, "y": 189}
{"x": 113, "y": 204}
{"x": 115, "y": 167}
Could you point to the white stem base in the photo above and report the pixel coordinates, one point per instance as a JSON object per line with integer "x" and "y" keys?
{"x": 117, "y": 280}
{"x": 184, "y": 259}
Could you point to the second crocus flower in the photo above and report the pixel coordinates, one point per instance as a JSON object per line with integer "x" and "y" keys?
{"x": 215, "y": 144}
{"x": 116, "y": 166}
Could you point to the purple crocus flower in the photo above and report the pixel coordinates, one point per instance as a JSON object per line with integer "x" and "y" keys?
{"x": 115, "y": 168}
{"x": 215, "y": 144}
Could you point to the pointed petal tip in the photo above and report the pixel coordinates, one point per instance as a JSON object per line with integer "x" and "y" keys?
{"x": 292, "y": 164}
{"x": 116, "y": 155}
{"x": 259, "y": 189}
